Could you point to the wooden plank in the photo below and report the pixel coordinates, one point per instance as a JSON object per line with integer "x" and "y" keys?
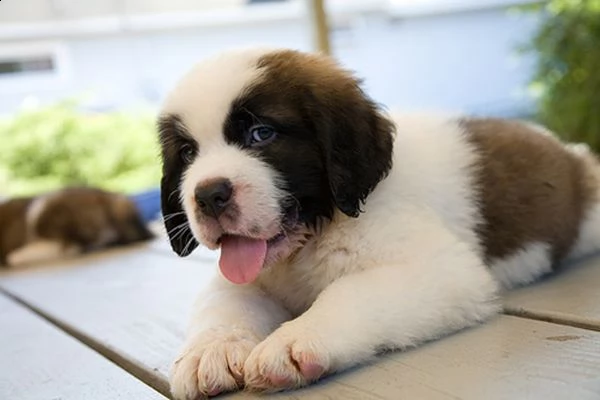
{"x": 136, "y": 305}
{"x": 114, "y": 299}
{"x": 38, "y": 361}
{"x": 509, "y": 358}
{"x": 571, "y": 297}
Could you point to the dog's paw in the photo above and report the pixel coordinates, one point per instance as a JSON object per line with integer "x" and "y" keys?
{"x": 286, "y": 360}
{"x": 211, "y": 364}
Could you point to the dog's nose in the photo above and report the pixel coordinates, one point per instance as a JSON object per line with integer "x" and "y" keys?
{"x": 214, "y": 197}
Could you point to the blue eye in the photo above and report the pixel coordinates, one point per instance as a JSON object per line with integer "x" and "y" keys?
{"x": 261, "y": 135}
{"x": 187, "y": 153}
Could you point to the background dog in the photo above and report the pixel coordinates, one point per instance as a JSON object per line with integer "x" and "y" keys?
{"x": 65, "y": 223}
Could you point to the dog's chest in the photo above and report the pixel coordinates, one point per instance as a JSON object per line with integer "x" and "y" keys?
{"x": 298, "y": 283}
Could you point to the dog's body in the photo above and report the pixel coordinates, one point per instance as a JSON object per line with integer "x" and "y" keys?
{"x": 66, "y": 222}
{"x": 270, "y": 154}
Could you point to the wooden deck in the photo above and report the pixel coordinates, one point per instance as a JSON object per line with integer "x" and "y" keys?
{"x": 107, "y": 327}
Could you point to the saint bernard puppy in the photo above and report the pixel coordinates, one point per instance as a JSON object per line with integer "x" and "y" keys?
{"x": 343, "y": 230}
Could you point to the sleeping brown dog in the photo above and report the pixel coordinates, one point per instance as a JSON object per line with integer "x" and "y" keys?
{"x": 66, "y": 222}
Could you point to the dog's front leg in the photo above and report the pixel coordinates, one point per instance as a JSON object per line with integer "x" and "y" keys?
{"x": 392, "y": 306}
{"x": 228, "y": 322}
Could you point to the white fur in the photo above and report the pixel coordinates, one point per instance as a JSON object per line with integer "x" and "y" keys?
{"x": 525, "y": 266}
{"x": 435, "y": 147}
{"x": 203, "y": 96}
{"x": 580, "y": 149}
{"x": 589, "y": 232}
{"x": 409, "y": 269}
{"x": 34, "y": 210}
{"x": 218, "y": 345}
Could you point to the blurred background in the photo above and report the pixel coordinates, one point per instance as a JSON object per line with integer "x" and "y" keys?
{"x": 80, "y": 82}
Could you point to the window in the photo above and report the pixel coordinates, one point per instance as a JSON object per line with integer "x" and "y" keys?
{"x": 42, "y": 63}
{"x": 29, "y": 66}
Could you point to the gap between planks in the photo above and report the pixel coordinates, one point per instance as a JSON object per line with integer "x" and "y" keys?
{"x": 553, "y": 317}
{"x": 154, "y": 380}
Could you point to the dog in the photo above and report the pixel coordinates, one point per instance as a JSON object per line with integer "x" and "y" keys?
{"x": 65, "y": 223}
{"x": 344, "y": 229}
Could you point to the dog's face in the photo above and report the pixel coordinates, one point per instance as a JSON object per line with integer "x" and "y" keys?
{"x": 259, "y": 147}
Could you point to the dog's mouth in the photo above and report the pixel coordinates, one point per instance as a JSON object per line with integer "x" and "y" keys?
{"x": 242, "y": 257}
{"x": 272, "y": 241}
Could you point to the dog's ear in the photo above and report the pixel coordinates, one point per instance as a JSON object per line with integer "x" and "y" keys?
{"x": 176, "y": 222}
{"x": 358, "y": 150}
{"x": 354, "y": 137}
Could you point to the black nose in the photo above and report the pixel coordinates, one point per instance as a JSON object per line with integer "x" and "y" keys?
{"x": 214, "y": 197}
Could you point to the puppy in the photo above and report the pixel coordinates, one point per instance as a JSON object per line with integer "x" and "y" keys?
{"x": 343, "y": 230}
{"x": 65, "y": 223}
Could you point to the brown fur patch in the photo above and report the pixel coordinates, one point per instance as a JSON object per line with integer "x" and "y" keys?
{"x": 13, "y": 231}
{"x": 86, "y": 217}
{"x": 532, "y": 189}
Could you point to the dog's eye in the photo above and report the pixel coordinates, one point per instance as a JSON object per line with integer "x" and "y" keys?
{"x": 187, "y": 153}
{"x": 261, "y": 135}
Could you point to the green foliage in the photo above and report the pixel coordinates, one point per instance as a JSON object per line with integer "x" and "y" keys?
{"x": 567, "y": 78}
{"x": 54, "y": 146}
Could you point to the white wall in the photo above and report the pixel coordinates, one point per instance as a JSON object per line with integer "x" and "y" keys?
{"x": 456, "y": 60}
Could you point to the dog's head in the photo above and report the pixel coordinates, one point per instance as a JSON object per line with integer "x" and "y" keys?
{"x": 261, "y": 146}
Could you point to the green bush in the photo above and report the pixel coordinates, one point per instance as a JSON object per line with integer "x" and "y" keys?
{"x": 567, "y": 77}
{"x": 58, "y": 145}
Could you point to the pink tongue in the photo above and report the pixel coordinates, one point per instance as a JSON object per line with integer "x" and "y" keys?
{"x": 242, "y": 258}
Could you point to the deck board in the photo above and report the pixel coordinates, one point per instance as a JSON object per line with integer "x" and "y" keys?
{"x": 38, "y": 361}
{"x": 135, "y": 304}
{"x": 111, "y": 301}
{"x": 570, "y": 297}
